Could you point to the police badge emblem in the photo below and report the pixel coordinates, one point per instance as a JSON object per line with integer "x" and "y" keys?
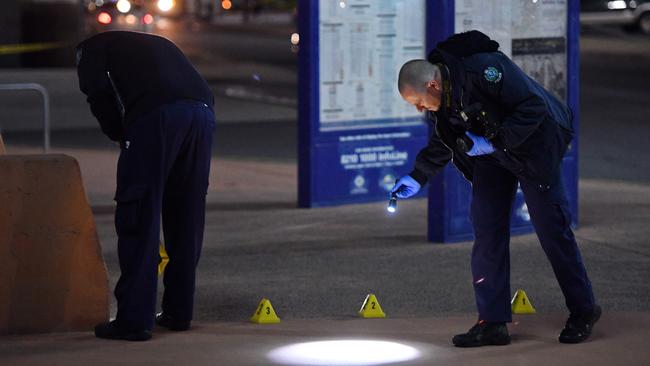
{"x": 492, "y": 75}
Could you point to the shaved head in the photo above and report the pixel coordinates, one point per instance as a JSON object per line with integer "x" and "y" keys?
{"x": 416, "y": 74}
{"x": 420, "y": 84}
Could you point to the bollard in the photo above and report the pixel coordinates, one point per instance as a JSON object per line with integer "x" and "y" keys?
{"x": 52, "y": 275}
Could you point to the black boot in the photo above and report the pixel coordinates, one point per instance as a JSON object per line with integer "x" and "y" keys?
{"x": 176, "y": 325}
{"x": 578, "y": 327}
{"x": 112, "y": 330}
{"x": 483, "y": 334}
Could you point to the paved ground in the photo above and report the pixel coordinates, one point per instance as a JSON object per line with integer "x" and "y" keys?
{"x": 242, "y": 344}
{"x": 256, "y": 243}
{"x": 317, "y": 266}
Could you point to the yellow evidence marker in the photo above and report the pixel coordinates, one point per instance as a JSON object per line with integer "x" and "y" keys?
{"x": 265, "y": 313}
{"x": 164, "y": 259}
{"x": 520, "y": 303}
{"x": 371, "y": 308}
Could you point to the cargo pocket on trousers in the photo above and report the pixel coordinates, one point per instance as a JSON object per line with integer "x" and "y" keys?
{"x": 128, "y": 214}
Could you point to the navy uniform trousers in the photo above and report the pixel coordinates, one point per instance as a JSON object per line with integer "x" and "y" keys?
{"x": 494, "y": 186}
{"x": 163, "y": 168}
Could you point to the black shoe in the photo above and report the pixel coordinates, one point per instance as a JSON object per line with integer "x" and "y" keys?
{"x": 111, "y": 330}
{"x": 171, "y": 324}
{"x": 483, "y": 334}
{"x": 578, "y": 327}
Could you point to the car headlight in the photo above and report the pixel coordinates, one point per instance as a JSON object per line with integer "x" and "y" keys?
{"x": 165, "y": 5}
{"x": 616, "y": 5}
{"x": 124, "y": 6}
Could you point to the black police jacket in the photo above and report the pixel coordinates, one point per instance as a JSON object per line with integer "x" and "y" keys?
{"x": 127, "y": 74}
{"x": 534, "y": 127}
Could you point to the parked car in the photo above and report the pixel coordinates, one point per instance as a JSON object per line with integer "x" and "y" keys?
{"x": 632, "y": 15}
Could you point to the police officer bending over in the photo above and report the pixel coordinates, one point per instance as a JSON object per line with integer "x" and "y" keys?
{"x": 146, "y": 95}
{"x": 500, "y": 128}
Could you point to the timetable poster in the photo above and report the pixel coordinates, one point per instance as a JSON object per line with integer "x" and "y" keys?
{"x": 362, "y": 45}
{"x": 532, "y": 33}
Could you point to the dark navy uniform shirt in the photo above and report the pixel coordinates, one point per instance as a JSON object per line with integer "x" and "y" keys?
{"x": 535, "y": 128}
{"x": 127, "y": 74}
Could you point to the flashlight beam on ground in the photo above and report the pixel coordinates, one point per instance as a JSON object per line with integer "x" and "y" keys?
{"x": 352, "y": 352}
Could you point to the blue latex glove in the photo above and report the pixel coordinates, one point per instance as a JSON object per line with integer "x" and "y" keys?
{"x": 406, "y": 187}
{"x": 481, "y": 145}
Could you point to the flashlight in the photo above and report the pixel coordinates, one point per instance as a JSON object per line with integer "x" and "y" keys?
{"x": 392, "y": 204}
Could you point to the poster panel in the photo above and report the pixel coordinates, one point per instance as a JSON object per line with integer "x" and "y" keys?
{"x": 363, "y": 43}
{"x": 532, "y": 33}
{"x": 361, "y": 135}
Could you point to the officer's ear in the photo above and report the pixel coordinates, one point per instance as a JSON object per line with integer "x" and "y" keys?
{"x": 434, "y": 84}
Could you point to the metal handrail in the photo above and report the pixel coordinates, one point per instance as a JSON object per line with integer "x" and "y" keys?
{"x": 46, "y": 107}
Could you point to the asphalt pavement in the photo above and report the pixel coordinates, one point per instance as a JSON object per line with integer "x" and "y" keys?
{"x": 317, "y": 265}
{"x": 423, "y": 341}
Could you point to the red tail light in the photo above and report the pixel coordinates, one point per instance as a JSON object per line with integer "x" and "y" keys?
{"x": 147, "y": 19}
{"x": 104, "y": 18}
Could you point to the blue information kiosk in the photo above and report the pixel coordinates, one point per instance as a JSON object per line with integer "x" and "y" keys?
{"x": 356, "y": 135}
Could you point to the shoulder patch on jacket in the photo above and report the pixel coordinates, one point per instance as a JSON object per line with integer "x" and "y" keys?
{"x": 492, "y": 75}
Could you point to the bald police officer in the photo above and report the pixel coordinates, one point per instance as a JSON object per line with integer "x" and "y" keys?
{"x": 147, "y": 96}
{"x": 501, "y": 128}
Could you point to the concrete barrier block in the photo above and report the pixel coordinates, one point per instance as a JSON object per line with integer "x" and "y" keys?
{"x": 52, "y": 274}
